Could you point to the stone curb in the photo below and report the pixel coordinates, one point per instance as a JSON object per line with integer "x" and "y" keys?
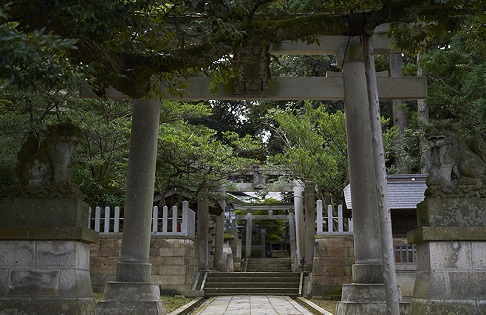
{"x": 308, "y": 304}
{"x": 189, "y": 307}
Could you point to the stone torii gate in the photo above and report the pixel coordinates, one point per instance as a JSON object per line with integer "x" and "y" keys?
{"x": 132, "y": 288}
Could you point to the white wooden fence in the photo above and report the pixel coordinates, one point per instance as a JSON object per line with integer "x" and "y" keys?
{"x": 164, "y": 222}
{"x": 332, "y": 222}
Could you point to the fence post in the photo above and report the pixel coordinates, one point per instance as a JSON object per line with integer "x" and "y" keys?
{"x": 319, "y": 216}
{"x": 340, "y": 218}
{"x": 185, "y": 218}
{"x": 155, "y": 219}
{"x": 330, "y": 219}
{"x": 192, "y": 230}
{"x": 107, "y": 220}
{"x": 116, "y": 224}
{"x": 97, "y": 218}
{"x": 174, "y": 219}
{"x": 89, "y": 216}
{"x": 164, "y": 219}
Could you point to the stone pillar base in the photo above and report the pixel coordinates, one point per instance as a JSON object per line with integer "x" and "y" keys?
{"x": 128, "y": 298}
{"x": 365, "y": 299}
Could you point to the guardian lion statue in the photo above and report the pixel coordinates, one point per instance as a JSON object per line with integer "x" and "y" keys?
{"x": 43, "y": 169}
{"x": 455, "y": 168}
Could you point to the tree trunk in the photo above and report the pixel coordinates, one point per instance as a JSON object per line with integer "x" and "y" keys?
{"x": 399, "y": 115}
{"x": 389, "y": 271}
{"x": 423, "y": 118}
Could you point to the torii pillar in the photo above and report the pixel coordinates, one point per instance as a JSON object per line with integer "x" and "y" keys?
{"x": 203, "y": 228}
{"x": 366, "y": 295}
{"x": 132, "y": 292}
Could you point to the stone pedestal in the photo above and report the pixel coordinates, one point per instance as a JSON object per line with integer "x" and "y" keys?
{"x": 451, "y": 248}
{"x": 365, "y": 299}
{"x": 44, "y": 257}
{"x": 131, "y": 298}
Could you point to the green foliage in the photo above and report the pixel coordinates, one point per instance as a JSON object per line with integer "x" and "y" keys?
{"x": 101, "y": 158}
{"x": 457, "y": 78}
{"x": 191, "y": 156}
{"x": 37, "y": 57}
{"x": 315, "y": 148}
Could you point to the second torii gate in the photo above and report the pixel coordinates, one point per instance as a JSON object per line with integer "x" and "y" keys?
{"x": 133, "y": 270}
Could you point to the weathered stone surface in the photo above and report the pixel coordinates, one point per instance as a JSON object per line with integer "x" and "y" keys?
{"x": 365, "y": 299}
{"x": 463, "y": 212}
{"x": 441, "y": 307}
{"x": 56, "y": 281}
{"x": 105, "y": 254}
{"x": 128, "y": 298}
{"x": 17, "y": 253}
{"x": 451, "y": 248}
{"x": 333, "y": 259}
{"x": 446, "y": 233}
{"x": 43, "y": 212}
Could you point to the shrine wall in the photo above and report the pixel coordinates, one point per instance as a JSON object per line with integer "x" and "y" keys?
{"x": 173, "y": 258}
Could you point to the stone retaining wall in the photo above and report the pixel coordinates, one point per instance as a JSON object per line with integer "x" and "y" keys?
{"x": 173, "y": 260}
{"x": 333, "y": 258}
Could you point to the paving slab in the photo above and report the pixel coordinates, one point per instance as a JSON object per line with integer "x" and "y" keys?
{"x": 251, "y": 305}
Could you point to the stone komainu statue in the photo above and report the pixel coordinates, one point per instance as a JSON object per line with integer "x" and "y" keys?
{"x": 44, "y": 169}
{"x": 456, "y": 170}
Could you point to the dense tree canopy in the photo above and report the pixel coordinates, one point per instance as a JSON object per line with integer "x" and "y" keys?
{"x": 131, "y": 45}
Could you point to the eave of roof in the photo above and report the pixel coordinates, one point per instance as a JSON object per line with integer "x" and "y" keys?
{"x": 405, "y": 191}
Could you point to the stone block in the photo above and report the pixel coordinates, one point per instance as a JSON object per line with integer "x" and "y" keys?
{"x": 64, "y": 306}
{"x": 423, "y": 256}
{"x": 56, "y": 254}
{"x": 82, "y": 255}
{"x": 431, "y": 284}
{"x": 17, "y": 253}
{"x": 363, "y": 293}
{"x": 109, "y": 252}
{"x": 467, "y": 212}
{"x": 4, "y": 281}
{"x": 455, "y": 255}
{"x": 44, "y": 212}
{"x": 75, "y": 283}
{"x": 441, "y": 307}
{"x": 478, "y": 255}
{"x": 34, "y": 283}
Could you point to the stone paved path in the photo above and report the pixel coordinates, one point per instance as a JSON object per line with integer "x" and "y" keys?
{"x": 251, "y": 305}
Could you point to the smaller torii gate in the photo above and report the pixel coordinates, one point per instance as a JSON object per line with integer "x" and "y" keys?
{"x": 249, "y": 217}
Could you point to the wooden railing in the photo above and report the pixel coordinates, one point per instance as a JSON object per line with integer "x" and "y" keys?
{"x": 180, "y": 222}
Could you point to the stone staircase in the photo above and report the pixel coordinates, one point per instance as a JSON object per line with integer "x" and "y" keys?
{"x": 264, "y": 276}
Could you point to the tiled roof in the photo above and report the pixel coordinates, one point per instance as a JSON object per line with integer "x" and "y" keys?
{"x": 405, "y": 191}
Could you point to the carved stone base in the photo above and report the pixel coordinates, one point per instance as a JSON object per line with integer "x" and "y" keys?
{"x": 451, "y": 251}
{"x": 128, "y": 298}
{"x": 45, "y": 278}
{"x": 44, "y": 257}
{"x": 365, "y": 299}
{"x": 450, "y": 278}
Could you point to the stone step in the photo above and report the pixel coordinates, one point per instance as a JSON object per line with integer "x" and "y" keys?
{"x": 252, "y": 283}
{"x": 268, "y": 264}
{"x": 253, "y": 274}
{"x": 247, "y": 291}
